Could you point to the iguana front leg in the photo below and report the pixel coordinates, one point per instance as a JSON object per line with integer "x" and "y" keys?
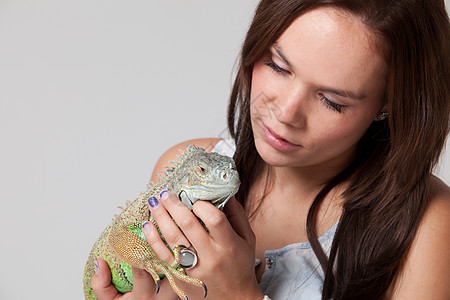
{"x": 131, "y": 246}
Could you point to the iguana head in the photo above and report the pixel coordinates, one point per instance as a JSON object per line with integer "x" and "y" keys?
{"x": 205, "y": 176}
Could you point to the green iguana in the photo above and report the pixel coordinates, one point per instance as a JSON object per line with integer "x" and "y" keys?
{"x": 197, "y": 176}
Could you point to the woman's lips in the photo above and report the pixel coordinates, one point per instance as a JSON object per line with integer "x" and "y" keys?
{"x": 278, "y": 142}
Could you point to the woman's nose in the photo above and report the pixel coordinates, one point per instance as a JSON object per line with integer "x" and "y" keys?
{"x": 292, "y": 107}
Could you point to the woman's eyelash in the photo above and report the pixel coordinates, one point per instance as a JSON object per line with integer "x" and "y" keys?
{"x": 330, "y": 104}
{"x": 269, "y": 62}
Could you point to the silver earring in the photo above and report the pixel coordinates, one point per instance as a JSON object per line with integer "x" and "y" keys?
{"x": 382, "y": 116}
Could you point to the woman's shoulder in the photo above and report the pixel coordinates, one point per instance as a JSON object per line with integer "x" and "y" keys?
{"x": 171, "y": 154}
{"x": 440, "y": 190}
{"x": 437, "y": 213}
{"x": 425, "y": 273}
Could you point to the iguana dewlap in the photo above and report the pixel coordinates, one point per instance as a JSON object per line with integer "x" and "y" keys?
{"x": 197, "y": 175}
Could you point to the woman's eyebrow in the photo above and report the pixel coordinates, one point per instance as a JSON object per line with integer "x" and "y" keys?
{"x": 342, "y": 93}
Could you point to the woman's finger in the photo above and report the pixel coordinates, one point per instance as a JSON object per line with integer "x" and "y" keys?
{"x": 172, "y": 234}
{"x": 238, "y": 220}
{"x": 220, "y": 229}
{"x": 101, "y": 282}
{"x": 156, "y": 243}
{"x": 185, "y": 219}
{"x": 223, "y": 228}
{"x": 144, "y": 287}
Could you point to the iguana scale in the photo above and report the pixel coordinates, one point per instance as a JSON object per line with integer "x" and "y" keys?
{"x": 197, "y": 175}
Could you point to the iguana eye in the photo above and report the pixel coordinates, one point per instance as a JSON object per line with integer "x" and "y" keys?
{"x": 202, "y": 169}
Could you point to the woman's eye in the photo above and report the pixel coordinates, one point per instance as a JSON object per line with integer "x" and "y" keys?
{"x": 333, "y": 105}
{"x": 269, "y": 62}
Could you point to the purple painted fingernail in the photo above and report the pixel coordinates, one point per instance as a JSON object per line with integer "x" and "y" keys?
{"x": 96, "y": 265}
{"x": 146, "y": 227}
{"x": 153, "y": 202}
{"x": 163, "y": 195}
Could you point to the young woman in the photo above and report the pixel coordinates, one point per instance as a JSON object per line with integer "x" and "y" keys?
{"x": 338, "y": 114}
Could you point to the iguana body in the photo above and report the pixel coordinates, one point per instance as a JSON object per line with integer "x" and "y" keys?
{"x": 197, "y": 176}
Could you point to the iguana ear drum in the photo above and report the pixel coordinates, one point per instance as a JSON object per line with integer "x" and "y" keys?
{"x": 185, "y": 199}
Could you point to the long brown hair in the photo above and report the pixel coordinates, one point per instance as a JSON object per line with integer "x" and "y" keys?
{"x": 389, "y": 180}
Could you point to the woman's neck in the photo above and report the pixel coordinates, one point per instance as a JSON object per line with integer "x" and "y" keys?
{"x": 303, "y": 179}
{"x": 288, "y": 196}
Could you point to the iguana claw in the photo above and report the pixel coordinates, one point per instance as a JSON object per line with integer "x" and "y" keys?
{"x": 158, "y": 285}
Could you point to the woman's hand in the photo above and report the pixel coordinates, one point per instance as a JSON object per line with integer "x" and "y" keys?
{"x": 226, "y": 254}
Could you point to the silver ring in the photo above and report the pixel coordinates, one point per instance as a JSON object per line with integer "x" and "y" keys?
{"x": 188, "y": 259}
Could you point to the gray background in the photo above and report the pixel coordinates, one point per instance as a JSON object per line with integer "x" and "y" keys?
{"x": 91, "y": 94}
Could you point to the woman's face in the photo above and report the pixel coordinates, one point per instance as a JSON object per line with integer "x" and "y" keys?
{"x": 317, "y": 91}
